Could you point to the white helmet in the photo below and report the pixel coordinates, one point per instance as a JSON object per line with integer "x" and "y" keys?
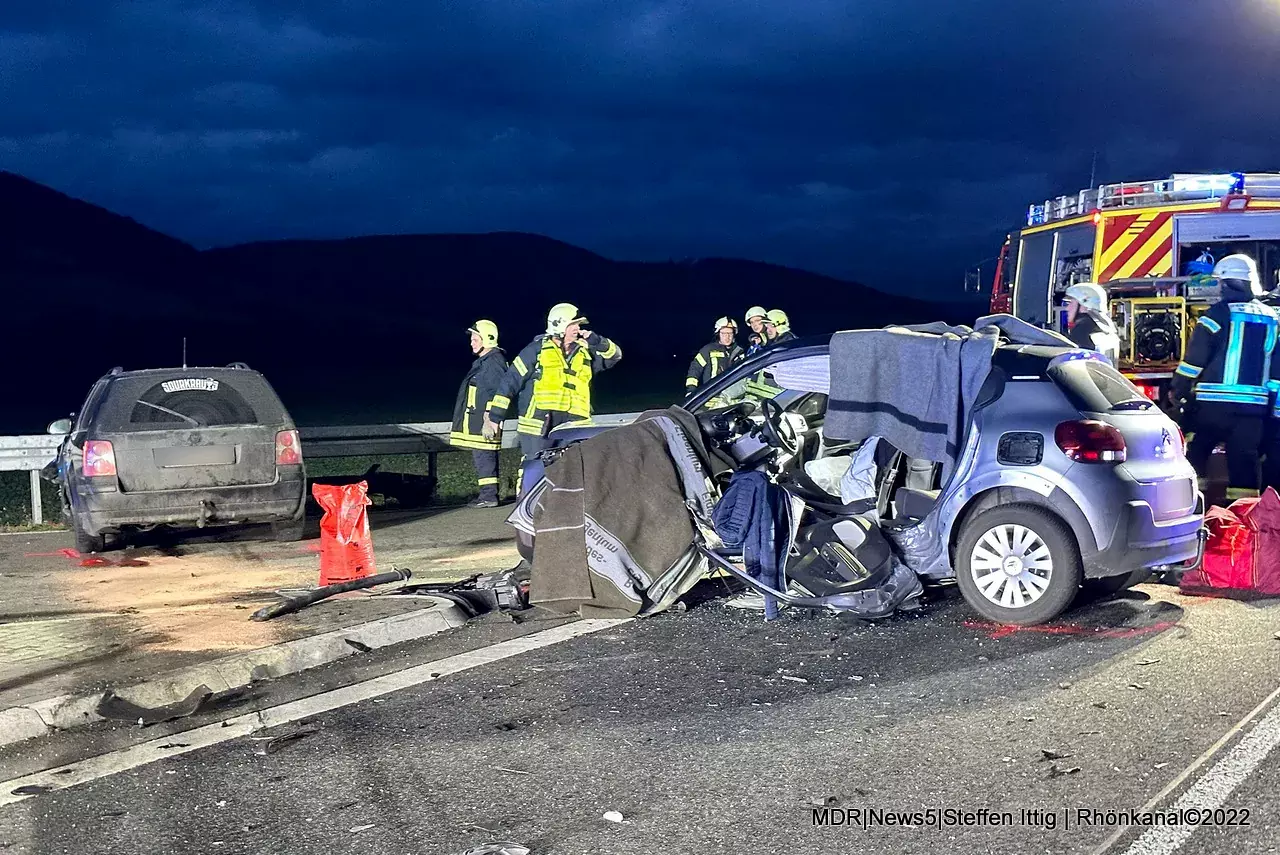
{"x": 1089, "y": 295}
{"x": 755, "y": 312}
{"x": 1241, "y": 267}
{"x": 726, "y": 322}
{"x": 561, "y": 316}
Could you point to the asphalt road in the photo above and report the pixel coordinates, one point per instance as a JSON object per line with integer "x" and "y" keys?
{"x": 711, "y": 731}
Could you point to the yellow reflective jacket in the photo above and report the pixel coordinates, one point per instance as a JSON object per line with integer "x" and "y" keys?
{"x": 543, "y": 379}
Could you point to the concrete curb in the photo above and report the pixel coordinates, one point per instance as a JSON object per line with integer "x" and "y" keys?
{"x": 39, "y": 718}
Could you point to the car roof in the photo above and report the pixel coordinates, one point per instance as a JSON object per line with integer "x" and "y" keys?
{"x": 192, "y": 369}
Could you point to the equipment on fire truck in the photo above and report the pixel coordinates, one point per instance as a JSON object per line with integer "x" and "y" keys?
{"x": 1159, "y": 332}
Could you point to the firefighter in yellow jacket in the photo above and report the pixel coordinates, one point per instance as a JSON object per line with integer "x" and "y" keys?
{"x": 471, "y": 412}
{"x": 550, "y": 381}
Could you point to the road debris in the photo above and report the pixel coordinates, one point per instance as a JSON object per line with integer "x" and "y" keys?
{"x": 1064, "y": 685}
{"x": 1102, "y": 705}
{"x": 613, "y": 816}
{"x": 511, "y": 771}
{"x": 293, "y": 604}
{"x": 1138, "y": 686}
{"x": 1148, "y": 661}
{"x": 359, "y": 828}
{"x": 358, "y": 646}
{"x": 271, "y": 744}
{"x": 112, "y": 706}
{"x": 1161, "y": 765}
{"x": 1055, "y": 772}
{"x": 794, "y": 679}
{"x": 498, "y": 849}
{"x": 32, "y": 790}
{"x": 1049, "y": 754}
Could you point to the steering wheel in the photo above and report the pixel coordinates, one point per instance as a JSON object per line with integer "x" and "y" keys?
{"x": 777, "y": 431}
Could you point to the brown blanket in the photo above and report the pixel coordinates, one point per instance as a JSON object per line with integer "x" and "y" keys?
{"x": 613, "y": 518}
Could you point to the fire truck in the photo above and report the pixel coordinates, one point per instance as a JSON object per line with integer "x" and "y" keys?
{"x": 1151, "y": 244}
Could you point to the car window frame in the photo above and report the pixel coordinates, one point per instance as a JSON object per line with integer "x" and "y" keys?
{"x": 754, "y": 366}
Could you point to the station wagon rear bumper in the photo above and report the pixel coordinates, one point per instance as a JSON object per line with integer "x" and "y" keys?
{"x": 109, "y": 510}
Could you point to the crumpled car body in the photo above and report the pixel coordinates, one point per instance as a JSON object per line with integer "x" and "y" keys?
{"x": 1065, "y": 475}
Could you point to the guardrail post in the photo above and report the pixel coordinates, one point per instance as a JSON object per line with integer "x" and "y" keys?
{"x": 37, "y": 506}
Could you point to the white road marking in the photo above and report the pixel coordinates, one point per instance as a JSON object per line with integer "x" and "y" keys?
{"x": 93, "y": 768}
{"x": 1211, "y": 790}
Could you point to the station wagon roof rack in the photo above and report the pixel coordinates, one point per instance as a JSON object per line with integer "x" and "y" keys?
{"x": 1180, "y": 187}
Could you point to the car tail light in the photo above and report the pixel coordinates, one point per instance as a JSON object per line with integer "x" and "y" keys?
{"x": 288, "y": 448}
{"x": 99, "y": 459}
{"x": 1090, "y": 442}
{"x": 1151, "y": 392}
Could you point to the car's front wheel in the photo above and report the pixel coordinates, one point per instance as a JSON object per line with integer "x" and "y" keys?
{"x": 1018, "y": 564}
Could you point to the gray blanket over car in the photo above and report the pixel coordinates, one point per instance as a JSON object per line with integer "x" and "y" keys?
{"x": 614, "y": 531}
{"x": 916, "y": 386}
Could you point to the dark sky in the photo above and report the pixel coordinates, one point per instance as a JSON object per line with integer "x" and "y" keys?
{"x": 891, "y": 141}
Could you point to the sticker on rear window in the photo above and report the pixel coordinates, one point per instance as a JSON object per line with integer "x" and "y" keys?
{"x": 190, "y": 384}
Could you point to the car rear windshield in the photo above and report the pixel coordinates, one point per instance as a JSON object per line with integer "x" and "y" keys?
{"x": 189, "y": 400}
{"x": 1094, "y": 386}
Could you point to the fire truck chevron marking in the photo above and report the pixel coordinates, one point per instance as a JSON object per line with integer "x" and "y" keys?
{"x": 1153, "y": 245}
{"x": 1137, "y": 248}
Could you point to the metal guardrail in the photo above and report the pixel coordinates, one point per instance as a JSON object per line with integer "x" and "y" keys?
{"x": 33, "y": 453}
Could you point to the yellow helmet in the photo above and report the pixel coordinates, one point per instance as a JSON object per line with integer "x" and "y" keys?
{"x": 755, "y": 312}
{"x": 779, "y": 319}
{"x": 726, "y": 322}
{"x": 561, "y": 316}
{"x": 487, "y": 330}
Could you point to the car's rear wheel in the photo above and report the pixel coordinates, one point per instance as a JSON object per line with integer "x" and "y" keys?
{"x": 86, "y": 542}
{"x": 1018, "y": 564}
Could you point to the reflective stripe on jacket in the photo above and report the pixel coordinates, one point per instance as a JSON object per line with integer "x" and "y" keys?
{"x": 709, "y": 363}
{"x": 475, "y": 397}
{"x": 1229, "y": 359}
{"x": 543, "y": 379}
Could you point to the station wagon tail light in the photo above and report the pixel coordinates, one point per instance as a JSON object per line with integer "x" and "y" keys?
{"x": 288, "y": 448}
{"x": 99, "y": 459}
{"x": 1090, "y": 441}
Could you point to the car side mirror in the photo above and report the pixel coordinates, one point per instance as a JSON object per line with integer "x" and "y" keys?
{"x": 61, "y": 427}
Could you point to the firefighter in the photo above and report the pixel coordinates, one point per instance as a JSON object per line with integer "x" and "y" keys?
{"x": 472, "y": 426}
{"x": 1227, "y": 370}
{"x": 757, "y": 340}
{"x": 1089, "y": 324}
{"x": 550, "y": 380}
{"x": 715, "y": 358}
{"x": 778, "y": 327}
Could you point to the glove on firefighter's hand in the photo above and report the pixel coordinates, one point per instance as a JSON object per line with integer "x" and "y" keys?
{"x": 490, "y": 429}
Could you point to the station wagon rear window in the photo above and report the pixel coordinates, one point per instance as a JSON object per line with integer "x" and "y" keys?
{"x": 159, "y": 402}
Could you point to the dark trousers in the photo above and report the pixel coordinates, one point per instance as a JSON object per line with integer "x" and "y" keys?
{"x": 486, "y": 463}
{"x": 531, "y": 446}
{"x": 1240, "y": 429}
{"x": 1271, "y": 452}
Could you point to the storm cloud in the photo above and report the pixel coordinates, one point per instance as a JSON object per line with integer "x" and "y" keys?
{"x": 890, "y": 141}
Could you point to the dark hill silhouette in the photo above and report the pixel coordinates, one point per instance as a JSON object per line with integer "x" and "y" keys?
{"x": 368, "y": 328}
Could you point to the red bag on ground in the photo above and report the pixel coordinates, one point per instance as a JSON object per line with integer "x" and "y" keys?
{"x": 346, "y": 546}
{"x": 1243, "y": 552}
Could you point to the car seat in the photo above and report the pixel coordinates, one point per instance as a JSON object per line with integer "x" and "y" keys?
{"x": 919, "y": 491}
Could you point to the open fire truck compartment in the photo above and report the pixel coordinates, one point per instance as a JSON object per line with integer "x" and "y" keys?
{"x": 1151, "y": 244}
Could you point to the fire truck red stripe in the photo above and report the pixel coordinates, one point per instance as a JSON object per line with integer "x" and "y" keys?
{"x": 1136, "y": 244}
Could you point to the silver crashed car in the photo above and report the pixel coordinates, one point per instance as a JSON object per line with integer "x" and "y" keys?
{"x": 1066, "y": 476}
